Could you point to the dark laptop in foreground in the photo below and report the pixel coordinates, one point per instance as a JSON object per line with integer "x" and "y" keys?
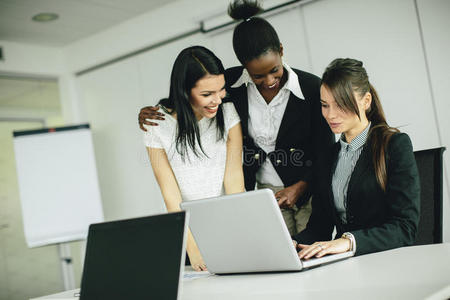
{"x": 138, "y": 258}
{"x": 246, "y": 233}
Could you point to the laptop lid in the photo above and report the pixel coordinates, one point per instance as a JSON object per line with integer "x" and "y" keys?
{"x": 246, "y": 232}
{"x": 242, "y": 233}
{"x": 137, "y": 258}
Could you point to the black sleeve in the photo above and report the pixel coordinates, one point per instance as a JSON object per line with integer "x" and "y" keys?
{"x": 322, "y": 138}
{"x": 320, "y": 225}
{"x": 231, "y": 76}
{"x": 402, "y": 199}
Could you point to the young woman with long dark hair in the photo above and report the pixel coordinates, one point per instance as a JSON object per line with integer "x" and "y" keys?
{"x": 367, "y": 184}
{"x": 279, "y": 108}
{"x": 197, "y": 151}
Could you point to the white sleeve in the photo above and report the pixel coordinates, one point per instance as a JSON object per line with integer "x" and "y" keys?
{"x": 152, "y": 137}
{"x": 230, "y": 115}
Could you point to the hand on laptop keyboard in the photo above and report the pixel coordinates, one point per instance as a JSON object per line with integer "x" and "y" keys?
{"x": 319, "y": 249}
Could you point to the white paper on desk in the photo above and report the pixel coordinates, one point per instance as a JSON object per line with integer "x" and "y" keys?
{"x": 191, "y": 275}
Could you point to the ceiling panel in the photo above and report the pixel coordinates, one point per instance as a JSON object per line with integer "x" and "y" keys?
{"x": 77, "y": 18}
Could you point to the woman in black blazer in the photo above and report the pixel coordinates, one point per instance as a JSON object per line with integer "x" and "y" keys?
{"x": 367, "y": 184}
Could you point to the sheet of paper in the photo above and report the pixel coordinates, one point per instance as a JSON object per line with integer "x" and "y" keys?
{"x": 191, "y": 275}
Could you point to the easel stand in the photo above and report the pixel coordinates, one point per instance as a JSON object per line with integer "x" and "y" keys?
{"x": 66, "y": 266}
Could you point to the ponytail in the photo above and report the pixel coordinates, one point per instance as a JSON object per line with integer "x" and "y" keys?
{"x": 379, "y": 135}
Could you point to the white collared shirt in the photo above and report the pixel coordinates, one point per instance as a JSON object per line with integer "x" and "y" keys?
{"x": 265, "y": 119}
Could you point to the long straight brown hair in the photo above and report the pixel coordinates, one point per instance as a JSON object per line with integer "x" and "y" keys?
{"x": 344, "y": 77}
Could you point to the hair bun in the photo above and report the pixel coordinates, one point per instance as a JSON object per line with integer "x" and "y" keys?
{"x": 244, "y": 9}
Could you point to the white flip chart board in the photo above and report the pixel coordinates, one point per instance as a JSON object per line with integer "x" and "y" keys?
{"x": 58, "y": 184}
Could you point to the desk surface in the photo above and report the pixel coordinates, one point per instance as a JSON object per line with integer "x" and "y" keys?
{"x": 417, "y": 272}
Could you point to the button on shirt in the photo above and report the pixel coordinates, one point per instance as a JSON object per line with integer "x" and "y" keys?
{"x": 347, "y": 159}
{"x": 265, "y": 119}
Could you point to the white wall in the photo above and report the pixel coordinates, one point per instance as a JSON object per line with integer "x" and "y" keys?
{"x": 111, "y": 98}
{"x": 435, "y": 20}
{"x": 387, "y": 40}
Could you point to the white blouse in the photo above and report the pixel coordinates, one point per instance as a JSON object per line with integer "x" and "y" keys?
{"x": 264, "y": 119}
{"x": 197, "y": 177}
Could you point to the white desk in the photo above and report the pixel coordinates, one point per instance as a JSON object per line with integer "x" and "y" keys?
{"x": 407, "y": 273}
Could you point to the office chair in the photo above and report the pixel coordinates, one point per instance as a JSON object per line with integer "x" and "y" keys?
{"x": 429, "y": 163}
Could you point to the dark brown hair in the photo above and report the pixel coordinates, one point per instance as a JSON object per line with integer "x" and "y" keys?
{"x": 342, "y": 77}
{"x": 191, "y": 65}
{"x": 254, "y": 36}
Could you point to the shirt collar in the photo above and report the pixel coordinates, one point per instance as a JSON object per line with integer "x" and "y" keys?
{"x": 291, "y": 83}
{"x": 357, "y": 142}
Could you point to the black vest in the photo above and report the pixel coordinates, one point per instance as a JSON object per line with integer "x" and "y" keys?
{"x": 303, "y": 132}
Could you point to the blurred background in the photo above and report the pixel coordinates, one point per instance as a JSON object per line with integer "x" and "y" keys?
{"x": 65, "y": 62}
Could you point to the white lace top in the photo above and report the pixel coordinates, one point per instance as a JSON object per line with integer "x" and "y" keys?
{"x": 197, "y": 177}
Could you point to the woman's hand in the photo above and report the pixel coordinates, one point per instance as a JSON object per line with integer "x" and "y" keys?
{"x": 196, "y": 260}
{"x": 319, "y": 249}
{"x": 149, "y": 112}
{"x": 288, "y": 196}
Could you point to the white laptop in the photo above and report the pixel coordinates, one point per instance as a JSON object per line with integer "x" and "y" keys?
{"x": 245, "y": 233}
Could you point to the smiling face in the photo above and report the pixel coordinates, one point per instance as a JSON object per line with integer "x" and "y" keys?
{"x": 340, "y": 120}
{"x": 207, "y": 95}
{"x": 267, "y": 71}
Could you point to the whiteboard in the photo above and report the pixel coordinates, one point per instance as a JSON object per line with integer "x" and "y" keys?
{"x": 58, "y": 184}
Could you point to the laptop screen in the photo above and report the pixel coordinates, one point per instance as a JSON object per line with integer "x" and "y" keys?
{"x": 135, "y": 258}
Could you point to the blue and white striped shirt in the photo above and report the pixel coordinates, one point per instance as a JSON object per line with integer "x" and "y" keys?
{"x": 346, "y": 161}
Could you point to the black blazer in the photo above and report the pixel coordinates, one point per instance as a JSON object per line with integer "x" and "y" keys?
{"x": 378, "y": 220}
{"x": 302, "y": 135}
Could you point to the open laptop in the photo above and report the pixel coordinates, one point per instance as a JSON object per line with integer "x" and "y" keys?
{"x": 243, "y": 233}
{"x": 139, "y": 258}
